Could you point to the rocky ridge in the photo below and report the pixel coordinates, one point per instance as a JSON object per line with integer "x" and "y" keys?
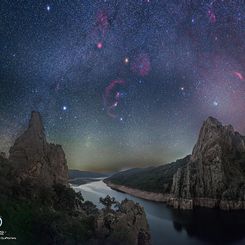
{"x": 213, "y": 176}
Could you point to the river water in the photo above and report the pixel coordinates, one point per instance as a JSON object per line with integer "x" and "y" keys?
{"x": 170, "y": 226}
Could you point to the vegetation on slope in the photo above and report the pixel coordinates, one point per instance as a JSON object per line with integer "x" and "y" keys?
{"x": 152, "y": 179}
{"x": 37, "y": 214}
{"x": 41, "y": 214}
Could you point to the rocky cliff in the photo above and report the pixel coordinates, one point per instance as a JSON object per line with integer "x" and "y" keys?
{"x": 34, "y": 158}
{"x": 214, "y": 176}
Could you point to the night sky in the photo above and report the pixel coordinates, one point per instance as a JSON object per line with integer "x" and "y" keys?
{"x": 121, "y": 83}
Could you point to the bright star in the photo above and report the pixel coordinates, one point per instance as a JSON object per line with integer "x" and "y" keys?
{"x": 215, "y": 103}
{"x": 48, "y": 7}
{"x": 64, "y": 108}
{"x": 126, "y": 60}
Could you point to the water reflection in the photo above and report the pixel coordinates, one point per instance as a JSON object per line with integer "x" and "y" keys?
{"x": 170, "y": 226}
{"x": 211, "y": 226}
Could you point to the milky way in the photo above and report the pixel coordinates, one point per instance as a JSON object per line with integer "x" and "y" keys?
{"x": 121, "y": 83}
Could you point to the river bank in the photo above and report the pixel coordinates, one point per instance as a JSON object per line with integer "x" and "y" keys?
{"x": 185, "y": 204}
{"x": 151, "y": 196}
{"x": 175, "y": 226}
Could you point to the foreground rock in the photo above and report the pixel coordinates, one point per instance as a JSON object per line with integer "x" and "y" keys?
{"x": 34, "y": 158}
{"x": 125, "y": 224}
{"x": 213, "y": 176}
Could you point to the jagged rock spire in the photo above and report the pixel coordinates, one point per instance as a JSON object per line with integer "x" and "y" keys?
{"x": 34, "y": 158}
{"x": 35, "y": 122}
{"x": 214, "y": 133}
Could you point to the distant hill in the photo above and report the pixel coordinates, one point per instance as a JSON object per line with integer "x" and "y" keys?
{"x": 152, "y": 179}
{"x": 74, "y": 174}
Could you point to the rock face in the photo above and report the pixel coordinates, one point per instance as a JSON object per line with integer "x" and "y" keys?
{"x": 33, "y": 158}
{"x": 215, "y": 174}
{"x": 3, "y": 155}
{"x": 126, "y": 225}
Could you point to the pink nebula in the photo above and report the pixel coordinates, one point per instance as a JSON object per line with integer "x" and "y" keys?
{"x": 238, "y": 75}
{"x": 141, "y": 65}
{"x": 212, "y": 16}
{"x": 99, "y": 45}
{"x": 112, "y": 97}
{"x": 102, "y": 22}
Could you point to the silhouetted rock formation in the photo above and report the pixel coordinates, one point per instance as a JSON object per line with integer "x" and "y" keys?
{"x": 214, "y": 176}
{"x": 126, "y": 224}
{"x": 34, "y": 158}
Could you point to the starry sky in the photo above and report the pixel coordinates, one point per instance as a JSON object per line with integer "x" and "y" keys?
{"x": 121, "y": 83}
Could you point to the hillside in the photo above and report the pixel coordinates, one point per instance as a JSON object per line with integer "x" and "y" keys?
{"x": 74, "y": 174}
{"x": 152, "y": 179}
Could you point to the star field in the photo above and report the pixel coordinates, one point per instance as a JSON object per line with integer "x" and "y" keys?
{"x": 121, "y": 83}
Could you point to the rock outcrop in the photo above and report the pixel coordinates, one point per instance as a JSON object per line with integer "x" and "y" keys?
{"x": 33, "y": 158}
{"x": 3, "y": 155}
{"x": 215, "y": 174}
{"x": 125, "y": 224}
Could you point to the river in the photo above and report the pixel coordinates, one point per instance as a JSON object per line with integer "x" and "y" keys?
{"x": 170, "y": 226}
